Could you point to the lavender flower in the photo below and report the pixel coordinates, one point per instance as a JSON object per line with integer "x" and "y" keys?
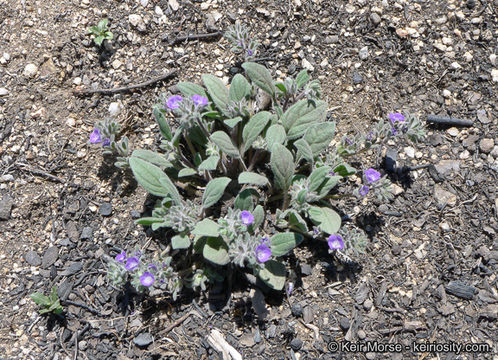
{"x": 335, "y": 242}
{"x": 394, "y": 131}
{"x": 95, "y": 137}
{"x": 290, "y": 287}
{"x": 396, "y": 117}
{"x": 263, "y": 253}
{"x": 246, "y": 217}
{"x": 173, "y": 102}
{"x": 152, "y": 267}
{"x": 364, "y": 190}
{"x": 199, "y": 100}
{"x": 121, "y": 257}
{"x": 131, "y": 263}
{"x": 147, "y": 279}
{"x": 249, "y": 52}
{"x": 106, "y": 142}
{"x": 372, "y": 175}
{"x": 332, "y": 173}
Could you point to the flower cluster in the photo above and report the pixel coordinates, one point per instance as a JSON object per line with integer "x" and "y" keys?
{"x": 396, "y": 120}
{"x": 263, "y": 250}
{"x": 105, "y": 132}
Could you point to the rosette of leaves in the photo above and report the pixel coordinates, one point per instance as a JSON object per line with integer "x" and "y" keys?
{"x": 239, "y": 154}
{"x": 101, "y": 32}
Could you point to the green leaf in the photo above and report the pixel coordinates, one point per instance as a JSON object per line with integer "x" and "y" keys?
{"x": 233, "y": 122}
{"x": 162, "y": 122}
{"x": 327, "y": 219}
{"x": 300, "y": 116}
{"x": 148, "y": 220}
{"x": 282, "y": 243}
{"x": 302, "y": 78}
{"x": 152, "y": 157}
{"x": 159, "y": 225}
{"x": 275, "y": 135}
{"x": 295, "y": 220}
{"x": 245, "y": 199}
{"x": 216, "y": 251}
{"x": 180, "y": 241}
{"x": 98, "y": 40}
{"x": 188, "y": 89}
{"x": 210, "y": 163}
{"x": 259, "y": 217}
{"x": 239, "y": 89}
{"x": 273, "y": 274}
{"x": 214, "y": 191}
{"x": 186, "y": 172}
{"x": 247, "y": 177}
{"x": 282, "y": 165}
{"x": 327, "y": 185}
{"x": 319, "y": 136}
{"x": 206, "y": 227}
{"x": 224, "y": 142}
{"x": 281, "y": 87}
{"x": 254, "y": 127}
{"x": 304, "y": 149}
{"x": 40, "y": 299}
{"x": 109, "y": 35}
{"x": 344, "y": 170}
{"x": 103, "y": 24}
{"x": 217, "y": 90}
{"x": 153, "y": 179}
{"x": 317, "y": 177}
{"x": 260, "y": 76}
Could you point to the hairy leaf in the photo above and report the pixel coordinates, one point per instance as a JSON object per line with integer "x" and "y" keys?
{"x": 302, "y": 78}
{"x": 188, "y": 89}
{"x": 300, "y": 116}
{"x": 282, "y": 243}
{"x": 319, "y": 136}
{"x": 259, "y": 216}
{"x": 260, "y": 76}
{"x": 252, "y": 178}
{"x": 206, "y": 227}
{"x": 282, "y": 165}
{"x": 152, "y": 178}
{"x": 273, "y": 274}
{"x": 239, "y": 88}
{"x": 327, "y": 219}
{"x": 304, "y": 149}
{"x": 245, "y": 199}
{"x": 210, "y": 163}
{"x": 345, "y": 170}
{"x": 217, "y": 90}
{"x": 148, "y": 220}
{"x": 275, "y": 135}
{"x": 233, "y": 122}
{"x": 152, "y": 157}
{"x": 216, "y": 251}
{"x": 224, "y": 142}
{"x": 296, "y": 220}
{"x": 180, "y": 241}
{"x": 327, "y": 185}
{"x": 254, "y": 127}
{"x": 186, "y": 172}
{"x": 162, "y": 122}
{"x": 40, "y": 299}
{"x": 214, "y": 191}
{"x": 317, "y": 177}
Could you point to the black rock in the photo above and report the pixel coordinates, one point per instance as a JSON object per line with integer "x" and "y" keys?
{"x": 64, "y": 289}
{"x": 32, "y": 258}
{"x": 357, "y": 78}
{"x": 271, "y": 331}
{"x": 135, "y": 214}
{"x": 344, "y": 323}
{"x": 306, "y": 270}
{"x": 296, "y": 344}
{"x": 6, "y": 204}
{"x": 86, "y": 233}
{"x": 297, "y": 309}
{"x": 143, "y": 339}
{"x": 72, "y": 269}
{"x": 50, "y": 257}
{"x": 105, "y": 209}
{"x": 460, "y": 290}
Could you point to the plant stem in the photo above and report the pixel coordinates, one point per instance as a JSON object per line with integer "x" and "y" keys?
{"x": 286, "y": 200}
{"x": 189, "y": 144}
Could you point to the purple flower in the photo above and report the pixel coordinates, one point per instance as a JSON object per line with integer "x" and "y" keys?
{"x": 199, "y": 100}
{"x": 332, "y": 173}
{"x": 370, "y": 136}
{"x": 121, "y": 257}
{"x": 249, "y": 52}
{"x": 290, "y": 287}
{"x": 372, "y": 175}
{"x": 147, "y": 279}
{"x": 394, "y": 131}
{"x": 173, "y": 102}
{"x": 106, "y": 142}
{"x": 335, "y": 242}
{"x": 364, "y": 190}
{"x": 246, "y": 217}
{"x": 263, "y": 253}
{"x": 95, "y": 137}
{"x": 131, "y": 263}
{"x": 316, "y": 230}
{"x": 349, "y": 142}
{"x": 396, "y": 117}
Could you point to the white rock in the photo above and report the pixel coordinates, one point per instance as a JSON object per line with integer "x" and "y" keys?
{"x": 464, "y": 155}
{"x": 494, "y": 75}
{"x": 492, "y": 59}
{"x": 4, "y": 91}
{"x": 6, "y": 56}
{"x": 444, "y": 226}
{"x": 447, "y": 40}
{"x": 114, "y": 109}
{"x": 307, "y": 65}
{"x": 446, "y": 93}
{"x": 468, "y": 56}
{"x": 144, "y": 3}
{"x": 173, "y": 5}
{"x": 158, "y": 11}
{"x": 77, "y": 81}
{"x": 453, "y": 131}
{"x": 409, "y": 151}
{"x": 135, "y": 19}
{"x": 6, "y": 178}
{"x": 70, "y": 122}
{"x": 455, "y": 65}
{"x": 30, "y": 70}
{"x": 116, "y": 64}
{"x": 397, "y": 189}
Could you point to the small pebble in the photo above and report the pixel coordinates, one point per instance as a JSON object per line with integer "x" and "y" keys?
{"x": 297, "y": 309}
{"x": 361, "y": 334}
{"x": 296, "y": 344}
{"x": 375, "y": 18}
{"x": 367, "y": 305}
{"x": 86, "y": 233}
{"x": 363, "y": 53}
{"x": 4, "y": 91}
{"x": 30, "y": 70}
{"x": 344, "y": 323}
{"x": 486, "y": 145}
{"x": 32, "y": 258}
{"x": 105, "y": 209}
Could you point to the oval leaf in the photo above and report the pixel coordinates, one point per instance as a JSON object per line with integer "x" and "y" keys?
{"x": 273, "y": 274}
{"x": 327, "y": 219}
{"x": 186, "y": 172}
{"x": 214, "y": 191}
{"x": 188, "y": 89}
{"x": 282, "y": 165}
{"x": 300, "y": 116}
{"x": 153, "y": 179}
{"x": 319, "y": 136}
{"x": 304, "y": 149}
{"x": 216, "y": 251}
{"x": 275, "y": 135}
{"x": 152, "y": 157}
{"x": 317, "y": 177}
{"x": 254, "y": 127}
{"x": 239, "y": 88}
{"x": 217, "y": 90}
{"x": 245, "y": 200}
{"x": 282, "y": 243}
{"x": 260, "y": 76}
{"x": 224, "y": 142}
{"x": 247, "y": 177}
{"x": 180, "y": 241}
{"x": 210, "y": 163}
{"x": 206, "y": 227}
{"x": 259, "y": 217}
{"x": 162, "y": 122}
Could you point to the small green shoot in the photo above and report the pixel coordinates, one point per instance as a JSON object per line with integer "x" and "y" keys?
{"x": 49, "y": 303}
{"x": 100, "y": 32}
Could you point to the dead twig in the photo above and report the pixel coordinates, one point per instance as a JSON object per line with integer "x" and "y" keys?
{"x": 84, "y": 306}
{"x": 445, "y": 120}
{"x": 179, "y": 321}
{"x": 39, "y": 172}
{"x": 189, "y": 37}
{"x": 86, "y": 92}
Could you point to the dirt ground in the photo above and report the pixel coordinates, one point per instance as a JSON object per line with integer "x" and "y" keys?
{"x": 429, "y": 273}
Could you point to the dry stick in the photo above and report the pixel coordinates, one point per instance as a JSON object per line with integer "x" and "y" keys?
{"x": 39, "y": 172}
{"x": 179, "y": 321}
{"x": 445, "y": 120}
{"x": 86, "y": 92}
{"x": 180, "y": 39}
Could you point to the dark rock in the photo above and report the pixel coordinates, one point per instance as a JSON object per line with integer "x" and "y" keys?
{"x": 362, "y": 293}
{"x": 6, "y": 204}
{"x": 105, "y": 209}
{"x": 434, "y": 139}
{"x": 297, "y": 309}
{"x": 72, "y": 269}
{"x": 296, "y": 344}
{"x": 53, "y": 272}
{"x": 271, "y": 331}
{"x": 357, "y": 78}
{"x": 390, "y": 159}
{"x": 306, "y": 270}
{"x": 73, "y": 207}
{"x": 50, "y": 257}
{"x": 64, "y": 289}
{"x": 32, "y": 258}
{"x": 135, "y": 214}
{"x": 143, "y": 339}
{"x": 460, "y": 290}
{"x": 396, "y": 250}
{"x": 86, "y": 233}
{"x": 344, "y": 323}
{"x": 72, "y": 231}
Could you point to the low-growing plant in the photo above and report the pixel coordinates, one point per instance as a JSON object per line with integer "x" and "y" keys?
{"x": 48, "y": 304}
{"x": 100, "y": 32}
{"x": 105, "y": 133}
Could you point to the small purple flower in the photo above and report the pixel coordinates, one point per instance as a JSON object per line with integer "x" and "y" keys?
{"x": 372, "y": 175}
{"x": 106, "y": 142}
{"x": 246, "y": 217}
{"x": 394, "y": 131}
{"x": 290, "y": 287}
{"x": 121, "y": 257}
{"x": 370, "y": 136}
{"x": 316, "y": 230}
{"x": 396, "y": 117}
{"x": 131, "y": 263}
{"x": 332, "y": 173}
{"x": 349, "y": 142}
{"x": 173, "y": 102}
{"x": 364, "y": 190}
{"x": 263, "y": 253}
{"x": 249, "y": 52}
{"x": 95, "y": 137}
{"x": 147, "y": 279}
{"x": 199, "y": 100}
{"x": 265, "y": 240}
{"x": 335, "y": 242}
{"x": 153, "y": 267}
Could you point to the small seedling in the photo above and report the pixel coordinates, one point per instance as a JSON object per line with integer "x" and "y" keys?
{"x": 49, "y": 303}
{"x": 100, "y": 32}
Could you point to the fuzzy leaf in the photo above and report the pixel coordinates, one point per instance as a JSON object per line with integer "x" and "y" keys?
{"x": 254, "y": 127}
{"x": 148, "y": 220}
{"x": 281, "y": 87}
{"x": 180, "y": 241}
{"x": 216, "y": 251}
{"x": 260, "y": 76}
{"x": 304, "y": 149}
{"x": 172, "y": 191}
{"x": 186, "y": 172}
{"x": 217, "y": 90}
{"x": 282, "y": 243}
{"x": 245, "y": 199}
{"x": 210, "y": 163}
{"x": 233, "y": 122}
{"x": 214, "y": 191}
{"x": 206, "y": 227}
{"x": 259, "y": 217}
{"x": 99, "y": 39}
{"x": 224, "y": 142}
{"x": 329, "y": 183}
{"x": 302, "y": 78}
{"x": 239, "y": 89}
{"x": 162, "y": 122}
{"x": 152, "y": 157}
{"x": 188, "y": 89}
{"x": 247, "y": 177}
{"x": 327, "y": 219}
{"x": 273, "y": 274}
{"x": 296, "y": 220}
{"x": 40, "y": 299}
{"x": 345, "y": 170}
{"x": 319, "y": 136}
{"x": 275, "y": 135}
{"x": 300, "y": 116}
{"x": 153, "y": 179}
{"x": 282, "y": 165}
{"x": 317, "y": 177}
